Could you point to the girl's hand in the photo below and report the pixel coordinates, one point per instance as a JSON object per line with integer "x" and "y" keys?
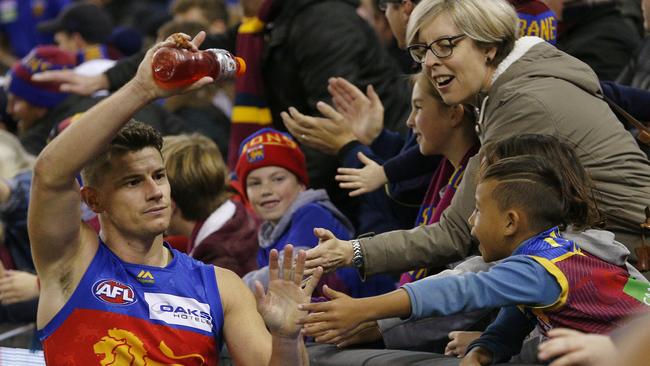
{"x": 367, "y": 179}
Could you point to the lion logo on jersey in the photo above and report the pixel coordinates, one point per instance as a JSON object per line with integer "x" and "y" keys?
{"x": 123, "y": 348}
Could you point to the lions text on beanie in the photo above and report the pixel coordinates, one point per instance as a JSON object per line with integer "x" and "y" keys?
{"x": 41, "y": 58}
{"x": 268, "y": 147}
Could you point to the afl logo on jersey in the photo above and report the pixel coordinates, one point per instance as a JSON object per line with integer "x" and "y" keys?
{"x": 114, "y": 292}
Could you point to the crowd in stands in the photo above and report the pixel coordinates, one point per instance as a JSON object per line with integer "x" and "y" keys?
{"x": 469, "y": 178}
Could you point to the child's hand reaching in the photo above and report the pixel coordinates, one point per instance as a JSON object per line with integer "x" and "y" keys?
{"x": 572, "y": 348}
{"x": 364, "y": 180}
{"x": 478, "y": 356}
{"x": 331, "y": 319}
{"x": 364, "y": 333}
{"x": 459, "y": 341}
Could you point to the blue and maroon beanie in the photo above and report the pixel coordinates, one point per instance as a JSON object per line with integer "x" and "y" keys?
{"x": 536, "y": 19}
{"x": 41, "y": 58}
{"x": 268, "y": 147}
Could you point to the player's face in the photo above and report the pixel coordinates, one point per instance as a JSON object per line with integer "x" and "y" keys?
{"x": 136, "y": 194}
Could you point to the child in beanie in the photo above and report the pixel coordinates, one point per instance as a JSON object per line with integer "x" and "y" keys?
{"x": 41, "y": 58}
{"x": 273, "y": 173}
{"x": 32, "y": 103}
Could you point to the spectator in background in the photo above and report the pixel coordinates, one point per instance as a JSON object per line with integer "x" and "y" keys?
{"x": 373, "y": 11}
{"x": 18, "y": 283}
{"x": 633, "y": 14}
{"x": 37, "y": 106}
{"x": 595, "y": 32}
{"x": 6, "y": 122}
{"x": 220, "y": 229}
{"x": 213, "y": 13}
{"x": 536, "y": 19}
{"x": 637, "y": 71}
{"x": 142, "y": 16}
{"x": 126, "y": 39}
{"x": 84, "y": 29}
{"x": 18, "y": 21}
{"x": 15, "y": 172}
{"x": 272, "y": 169}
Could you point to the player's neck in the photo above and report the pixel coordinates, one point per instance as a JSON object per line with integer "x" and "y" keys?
{"x": 146, "y": 251}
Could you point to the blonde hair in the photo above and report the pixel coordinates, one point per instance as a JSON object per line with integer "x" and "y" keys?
{"x": 490, "y": 23}
{"x": 196, "y": 173}
{"x": 13, "y": 157}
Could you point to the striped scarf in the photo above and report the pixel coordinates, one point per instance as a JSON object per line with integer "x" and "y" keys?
{"x": 250, "y": 112}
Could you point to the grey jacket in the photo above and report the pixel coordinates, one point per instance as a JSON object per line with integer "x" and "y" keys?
{"x": 536, "y": 89}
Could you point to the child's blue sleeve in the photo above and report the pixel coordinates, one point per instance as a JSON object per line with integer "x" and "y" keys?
{"x": 518, "y": 280}
{"x": 504, "y": 337}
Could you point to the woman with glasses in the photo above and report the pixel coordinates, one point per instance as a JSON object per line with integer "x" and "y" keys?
{"x": 470, "y": 51}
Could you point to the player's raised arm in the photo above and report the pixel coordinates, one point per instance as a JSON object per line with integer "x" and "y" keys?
{"x": 54, "y": 215}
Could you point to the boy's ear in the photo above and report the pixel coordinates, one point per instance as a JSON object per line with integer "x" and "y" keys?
{"x": 92, "y": 199}
{"x": 513, "y": 222}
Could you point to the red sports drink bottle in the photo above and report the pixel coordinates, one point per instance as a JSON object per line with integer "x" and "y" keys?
{"x": 179, "y": 67}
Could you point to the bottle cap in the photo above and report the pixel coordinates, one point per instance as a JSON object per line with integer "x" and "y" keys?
{"x": 241, "y": 66}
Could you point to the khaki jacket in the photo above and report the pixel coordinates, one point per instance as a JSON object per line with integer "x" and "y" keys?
{"x": 536, "y": 89}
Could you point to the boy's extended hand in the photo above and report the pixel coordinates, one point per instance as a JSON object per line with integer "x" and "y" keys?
{"x": 279, "y": 306}
{"x": 478, "y": 356}
{"x": 458, "y": 342}
{"x": 365, "y": 332}
{"x": 572, "y": 348}
{"x": 331, "y": 319}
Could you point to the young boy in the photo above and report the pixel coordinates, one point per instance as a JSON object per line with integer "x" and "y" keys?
{"x": 273, "y": 172}
{"x": 543, "y": 278}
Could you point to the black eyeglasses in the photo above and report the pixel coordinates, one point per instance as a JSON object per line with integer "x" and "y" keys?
{"x": 383, "y": 4}
{"x": 441, "y": 48}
